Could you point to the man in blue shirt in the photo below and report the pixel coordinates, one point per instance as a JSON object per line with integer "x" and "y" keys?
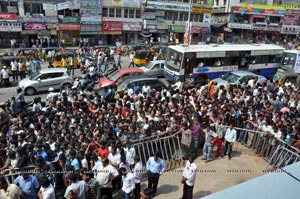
{"x": 41, "y": 152}
{"x": 28, "y": 184}
{"x": 155, "y": 167}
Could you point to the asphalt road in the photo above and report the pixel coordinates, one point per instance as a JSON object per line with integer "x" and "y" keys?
{"x": 7, "y": 93}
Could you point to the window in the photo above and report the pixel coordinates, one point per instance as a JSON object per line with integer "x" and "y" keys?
{"x": 137, "y": 14}
{"x": 126, "y": 13}
{"x": 36, "y": 8}
{"x": 175, "y": 16}
{"x": 131, "y": 13}
{"x": 111, "y": 12}
{"x": 118, "y": 12}
{"x": 169, "y": 15}
{"x": 104, "y": 12}
{"x": 55, "y": 75}
{"x": 185, "y": 16}
{"x": 181, "y": 16}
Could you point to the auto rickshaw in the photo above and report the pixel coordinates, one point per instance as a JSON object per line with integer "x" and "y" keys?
{"x": 282, "y": 76}
{"x": 58, "y": 57}
{"x": 142, "y": 57}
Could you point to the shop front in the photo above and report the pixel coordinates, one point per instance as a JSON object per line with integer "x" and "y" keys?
{"x": 31, "y": 34}
{"x": 68, "y": 33}
{"x": 112, "y": 32}
{"x": 130, "y": 32}
{"x": 91, "y": 34}
{"x": 8, "y": 31}
{"x": 178, "y": 33}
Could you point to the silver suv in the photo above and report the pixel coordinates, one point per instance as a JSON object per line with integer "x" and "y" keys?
{"x": 56, "y": 78}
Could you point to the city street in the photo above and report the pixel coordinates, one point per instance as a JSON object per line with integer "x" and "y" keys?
{"x": 7, "y": 93}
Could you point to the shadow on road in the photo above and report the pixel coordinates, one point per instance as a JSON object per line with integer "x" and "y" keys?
{"x": 201, "y": 194}
{"x": 166, "y": 188}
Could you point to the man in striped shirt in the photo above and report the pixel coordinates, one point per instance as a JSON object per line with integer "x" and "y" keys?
{"x": 93, "y": 184}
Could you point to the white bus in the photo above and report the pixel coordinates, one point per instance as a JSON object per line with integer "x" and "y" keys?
{"x": 204, "y": 62}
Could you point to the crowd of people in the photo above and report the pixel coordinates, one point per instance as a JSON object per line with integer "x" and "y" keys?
{"x": 80, "y": 145}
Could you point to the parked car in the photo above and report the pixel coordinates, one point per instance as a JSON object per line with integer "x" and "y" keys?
{"x": 154, "y": 68}
{"x": 236, "y": 77}
{"x": 56, "y": 78}
{"x": 118, "y": 75}
{"x": 140, "y": 80}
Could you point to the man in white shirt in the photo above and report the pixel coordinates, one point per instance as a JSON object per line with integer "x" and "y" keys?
{"x": 106, "y": 173}
{"x": 14, "y": 69}
{"x": 128, "y": 183}
{"x": 130, "y": 153}
{"x": 9, "y": 191}
{"x": 188, "y": 178}
{"x": 46, "y": 191}
{"x": 138, "y": 175}
{"x": 80, "y": 187}
{"x": 5, "y": 76}
{"x": 230, "y": 138}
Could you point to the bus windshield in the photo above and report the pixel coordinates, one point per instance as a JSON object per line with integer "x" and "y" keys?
{"x": 231, "y": 77}
{"x": 288, "y": 60}
{"x": 174, "y": 59}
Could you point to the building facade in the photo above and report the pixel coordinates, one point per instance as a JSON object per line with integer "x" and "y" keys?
{"x": 127, "y": 22}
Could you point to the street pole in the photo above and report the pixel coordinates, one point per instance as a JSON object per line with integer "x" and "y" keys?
{"x": 189, "y": 23}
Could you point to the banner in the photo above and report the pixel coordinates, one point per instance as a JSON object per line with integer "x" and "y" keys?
{"x": 34, "y": 26}
{"x": 69, "y": 27}
{"x": 8, "y": 16}
{"x": 73, "y": 19}
{"x": 133, "y": 26}
{"x": 10, "y": 27}
{"x": 63, "y": 6}
{"x": 90, "y": 3}
{"x": 48, "y": 6}
{"x": 90, "y": 19}
{"x": 167, "y": 6}
{"x": 112, "y": 26}
{"x": 126, "y": 3}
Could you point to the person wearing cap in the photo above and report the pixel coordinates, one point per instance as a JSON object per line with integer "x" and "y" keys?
{"x": 5, "y": 76}
{"x": 155, "y": 167}
{"x": 9, "y": 191}
{"x": 188, "y": 177}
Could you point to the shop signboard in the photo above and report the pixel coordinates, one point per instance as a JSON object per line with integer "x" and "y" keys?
{"x": 63, "y": 6}
{"x": 74, "y": 19}
{"x": 195, "y": 29}
{"x": 97, "y": 10}
{"x": 90, "y": 3}
{"x": 290, "y": 19}
{"x": 90, "y": 19}
{"x": 74, "y": 4}
{"x": 48, "y": 6}
{"x": 132, "y": 26}
{"x": 287, "y": 29}
{"x": 112, "y": 26}
{"x": 34, "y": 26}
{"x": 8, "y": 16}
{"x": 10, "y": 27}
{"x": 167, "y": 6}
{"x": 122, "y": 19}
{"x": 127, "y": 3}
{"x": 202, "y": 9}
{"x": 69, "y": 26}
{"x": 178, "y": 28}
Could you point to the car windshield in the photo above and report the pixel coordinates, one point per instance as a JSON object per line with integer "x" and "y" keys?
{"x": 231, "y": 77}
{"x": 122, "y": 84}
{"x": 114, "y": 75}
{"x": 35, "y": 75}
{"x": 277, "y": 77}
{"x": 149, "y": 65}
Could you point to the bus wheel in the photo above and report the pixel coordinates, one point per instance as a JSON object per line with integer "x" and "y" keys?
{"x": 201, "y": 80}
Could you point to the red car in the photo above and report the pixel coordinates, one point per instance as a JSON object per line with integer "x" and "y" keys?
{"x": 116, "y": 76}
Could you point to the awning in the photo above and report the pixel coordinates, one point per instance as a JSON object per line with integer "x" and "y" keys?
{"x": 144, "y": 35}
{"x": 218, "y": 25}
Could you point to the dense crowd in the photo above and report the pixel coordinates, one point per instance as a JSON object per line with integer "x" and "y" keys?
{"x": 78, "y": 143}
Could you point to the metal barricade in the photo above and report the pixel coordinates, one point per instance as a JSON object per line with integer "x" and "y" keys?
{"x": 11, "y": 174}
{"x": 283, "y": 156}
{"x": 275, "y": 151}
{"x": 168, "y": 146}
